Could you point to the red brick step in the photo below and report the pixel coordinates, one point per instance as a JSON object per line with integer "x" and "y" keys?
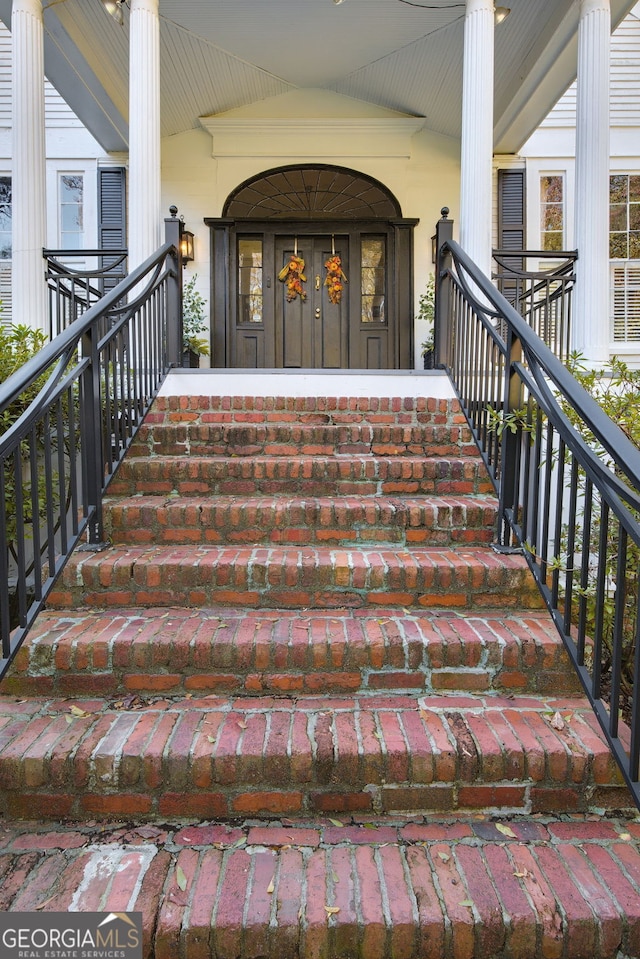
{"x": 300, "y": 475}
{"x": 294, "y": 577}
{"x": 178, "y": 651}
{"x": 473, "y": 888}
{"x": 295, "y": 439}
{"x": 435, "y": 521}
{"x": 228, "y": 757}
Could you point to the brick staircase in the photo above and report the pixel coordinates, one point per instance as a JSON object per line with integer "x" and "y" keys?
{"x": 335, "y": 721}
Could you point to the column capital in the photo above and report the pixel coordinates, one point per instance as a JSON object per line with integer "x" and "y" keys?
{"x": 480, "y": 6}
{"x": 34, "y": 7}
{"x": 594, "y": 6}
{"x": 145, "y": 6}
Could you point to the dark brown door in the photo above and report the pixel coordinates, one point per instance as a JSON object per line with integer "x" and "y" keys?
{"x": 312, "y": 332}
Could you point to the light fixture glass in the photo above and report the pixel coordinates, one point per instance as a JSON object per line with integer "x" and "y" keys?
{"x": 501, "y": 14}
{"x": 114, "y": 9}
{"x": 338, "y": 1}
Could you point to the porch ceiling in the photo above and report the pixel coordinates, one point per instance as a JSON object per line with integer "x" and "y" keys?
{"x": 217, "y": 55}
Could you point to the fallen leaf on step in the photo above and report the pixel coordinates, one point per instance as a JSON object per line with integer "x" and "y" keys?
{"x": 336, "y": 822}
{"x": 77, "y": 711}
{"x": 557, "y": 721}
{"x": 181, "y": 879}
{"x": 331, "y": 910}
{"x": 444, "y": 856}
{"x": 242, "y": 724}
{"x": 270, "y": 887}
{"x": 522, "y": 875}
{"x": 625, "y": 836}
{"x": 506, "y": 830}
{"x": 466, "y": 902}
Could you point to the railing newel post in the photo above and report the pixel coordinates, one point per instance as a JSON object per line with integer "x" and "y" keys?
{"x": 173, "y": 231}
{"x": 442, "y": 328}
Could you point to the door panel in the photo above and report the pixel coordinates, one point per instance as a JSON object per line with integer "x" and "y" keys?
{"x": 312, "y": 333}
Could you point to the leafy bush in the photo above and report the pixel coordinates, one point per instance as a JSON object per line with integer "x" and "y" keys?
{"x": 193, "y": 319}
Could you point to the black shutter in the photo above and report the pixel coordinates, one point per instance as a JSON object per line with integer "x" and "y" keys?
{"x": 511, "y": 224}
{"x": 112, "y": 219}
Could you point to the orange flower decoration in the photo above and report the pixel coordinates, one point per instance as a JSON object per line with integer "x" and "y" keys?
{"x": 335, "y": 278}
{"x": 293, "y": 275}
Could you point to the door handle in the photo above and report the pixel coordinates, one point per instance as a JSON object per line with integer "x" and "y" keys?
{"x": 317, "y": 312}
{"x": 317, "y": 281}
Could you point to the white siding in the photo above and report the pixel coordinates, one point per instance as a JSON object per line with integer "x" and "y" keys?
{"x": 57, "y": 113}
{"x": 625, "y": 80}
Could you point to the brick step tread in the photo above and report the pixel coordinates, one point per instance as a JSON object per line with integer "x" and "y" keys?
{"x": 314, "y": 409}
{"x": 311, "y": 475}
{"x": 295, "y": 576}
{"x": 293, "y": 439}
{"x": 252, "y": 652}
{"x": 300, "y": 520}
{"x": 225, "y": 757}
{"x": 526, "y": 888}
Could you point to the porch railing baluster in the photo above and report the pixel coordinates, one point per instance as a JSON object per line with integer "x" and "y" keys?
{"x": 567, "y": 478}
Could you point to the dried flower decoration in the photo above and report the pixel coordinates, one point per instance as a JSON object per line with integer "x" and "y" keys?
{"x": 293, "y": 275}
{"x": 335, "y": 279}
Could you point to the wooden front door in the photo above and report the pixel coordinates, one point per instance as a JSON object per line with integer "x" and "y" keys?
{"x": 312, "y": 333}
{"x": 254, "y": 326}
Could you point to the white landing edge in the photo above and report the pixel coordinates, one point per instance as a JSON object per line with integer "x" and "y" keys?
{"x": 434, "y": 384}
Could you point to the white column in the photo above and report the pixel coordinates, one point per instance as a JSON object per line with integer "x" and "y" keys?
{"x": 477, "y": 133}
{"x": 145, "y": 219}
{"x": 590, "y": 333}
{"x": 28, "y": 182}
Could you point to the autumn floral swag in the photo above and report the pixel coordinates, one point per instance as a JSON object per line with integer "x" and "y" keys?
{"x": 293, "y": 275}
{"x": 335, "y": 278}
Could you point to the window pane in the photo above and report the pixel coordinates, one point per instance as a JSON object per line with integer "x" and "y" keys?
{"x": 553, "y": 217}
{"x": 552, "y": 241}
{"x": 634, "y": 188}
{"x": 634, "y": 216}
{"x": 618, "y": 246}
{"x": 551, "y": 188}
{"x": 634, "y": 246}
{"x": 618, "y": 216}
{"x": 250, "y": 301}
{"x": 71, "y": 188}
{"x": 618, "y": 188}
{"x": 373, "y": 251}
{"x": 373, "y": 309}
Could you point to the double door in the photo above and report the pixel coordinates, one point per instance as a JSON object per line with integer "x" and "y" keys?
{"x": 312, "y": 329}
{"x": 257, "y": 322}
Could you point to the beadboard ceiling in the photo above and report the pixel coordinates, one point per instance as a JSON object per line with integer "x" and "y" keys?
{"x": 218, "y": 55}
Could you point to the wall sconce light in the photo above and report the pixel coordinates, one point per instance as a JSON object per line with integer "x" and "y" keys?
{"x": 186, "y": 246}
{"x": 114, "y": 9}
{"x": 501, "y": 14}
{"x": 338, "y": 1}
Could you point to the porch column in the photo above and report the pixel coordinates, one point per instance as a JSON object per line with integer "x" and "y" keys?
{"x": 590, "y": 333}
{"x": 145, "y": 219}
{"x": 477, "y": 133}
{"x": 28, "y": 183}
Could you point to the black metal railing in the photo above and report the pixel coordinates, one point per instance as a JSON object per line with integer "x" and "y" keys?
{"x": 568, "y": 483}
{"x": 94, "y": 384}
{"x": 73, "y": 289}
{"x": 543, "y": 297}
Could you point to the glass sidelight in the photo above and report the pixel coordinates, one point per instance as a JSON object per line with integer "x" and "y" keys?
{"x": 373, "y": 279}
{"x": 250, "y": 281}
